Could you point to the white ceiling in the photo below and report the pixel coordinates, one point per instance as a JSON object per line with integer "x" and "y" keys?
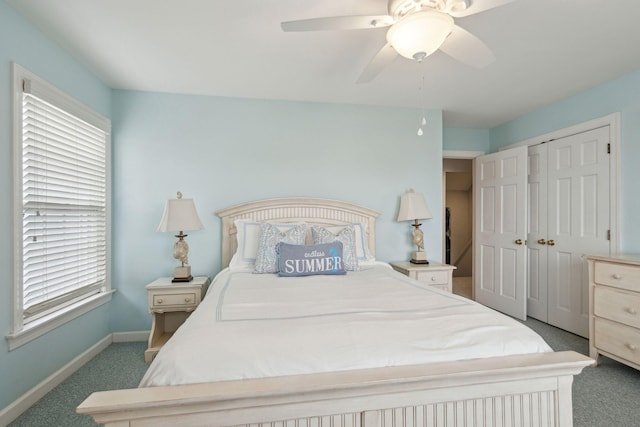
{"x": 546, "y": 50}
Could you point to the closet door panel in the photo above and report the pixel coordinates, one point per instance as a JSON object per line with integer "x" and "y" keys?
{"x": 578, "y": 221}
{"x": 537, "y": 233}
{"x": 500, "y": 194}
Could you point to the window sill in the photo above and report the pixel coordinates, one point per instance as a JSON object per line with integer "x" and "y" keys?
{"x": 54, "y": 320}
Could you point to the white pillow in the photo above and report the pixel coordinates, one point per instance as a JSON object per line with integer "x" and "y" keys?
{"x": 248, "y": 238}
{"x": 362, "y": 245}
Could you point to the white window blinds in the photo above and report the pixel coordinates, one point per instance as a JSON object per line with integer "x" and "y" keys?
{"x": 64, "y": 202}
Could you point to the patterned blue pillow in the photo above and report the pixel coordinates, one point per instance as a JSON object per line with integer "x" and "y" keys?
{"x": 270, "y": 236}
{"x": 347, "y": 236}
{"x": 301, "y": 260}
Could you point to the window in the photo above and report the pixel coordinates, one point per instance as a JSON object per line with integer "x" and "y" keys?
{"x": 61, "y": 212}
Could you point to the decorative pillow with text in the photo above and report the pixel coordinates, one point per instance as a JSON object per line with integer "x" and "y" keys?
{"x": 308, "y": 260}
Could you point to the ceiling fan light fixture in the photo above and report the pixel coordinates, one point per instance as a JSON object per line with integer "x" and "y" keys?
{"x": 420, "y": 34}
{"x": 457, "y": 6}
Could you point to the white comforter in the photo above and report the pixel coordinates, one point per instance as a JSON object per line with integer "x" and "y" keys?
{"x": 251, "y": 326}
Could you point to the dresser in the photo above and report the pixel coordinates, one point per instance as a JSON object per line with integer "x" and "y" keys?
{"x": 437, "y": 275}
{"x": 614, "y": 308}
{"x": 170, "y": 304}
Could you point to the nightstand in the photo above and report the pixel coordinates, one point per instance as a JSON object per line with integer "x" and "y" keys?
{"x": 170, "y": 304}
{"x": 437, "y": 275}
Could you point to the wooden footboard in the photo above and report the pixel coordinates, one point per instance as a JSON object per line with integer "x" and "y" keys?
{"x": 527, "y": 390}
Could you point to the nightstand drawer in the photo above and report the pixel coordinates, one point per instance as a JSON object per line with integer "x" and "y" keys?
{"x": 433, "y": 277}
{"x": 617, "y": 275}
{"x": 434, "y": 274}
{"x": 623, "y": 341}
{"x": 163, "y": 301}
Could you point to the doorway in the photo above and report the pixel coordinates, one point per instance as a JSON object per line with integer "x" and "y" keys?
{"x": 458, "y": 203}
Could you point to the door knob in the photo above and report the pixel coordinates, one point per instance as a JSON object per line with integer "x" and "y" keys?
{"x": 542, "y": 241}
{"x": 519, "y": 242}
{"x": 551, "y": 242}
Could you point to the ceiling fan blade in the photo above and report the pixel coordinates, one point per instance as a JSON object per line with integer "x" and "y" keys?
{"x": 477, "y": 6}
{"x": 467, "y": 48}
{"x": 338, "y": 23}
{"x": 384, "y": 57}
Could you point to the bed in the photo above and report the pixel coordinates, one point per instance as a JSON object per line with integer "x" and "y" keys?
{"x": 362, "y": 351}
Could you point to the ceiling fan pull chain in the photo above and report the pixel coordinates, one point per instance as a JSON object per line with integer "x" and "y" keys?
{"x": 423, "y": 122}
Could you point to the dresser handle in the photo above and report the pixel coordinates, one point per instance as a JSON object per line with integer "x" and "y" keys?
{"x": 187, "y": 299}
{"x": 632, "y": 347}
{"x": 617, "y": 276}
{"x": 631, "y": 310}
{"x": 160, "y": 300}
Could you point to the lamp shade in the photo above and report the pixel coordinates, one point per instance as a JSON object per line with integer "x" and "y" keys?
{"x": 420, "y": 34}
{"x": 180, "y": 215}
{"x": 413, "y": 206}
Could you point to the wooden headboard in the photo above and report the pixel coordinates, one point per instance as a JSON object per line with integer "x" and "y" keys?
{"x": 295, "y": 209}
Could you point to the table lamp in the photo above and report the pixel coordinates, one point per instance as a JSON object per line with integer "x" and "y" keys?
{"x": 413, "y": 207}
{"x": 180, "y": 215}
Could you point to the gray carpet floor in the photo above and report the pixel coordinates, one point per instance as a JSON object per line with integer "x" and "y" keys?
{"x": 121, "y": 365}
{"x": 606, "y": 396}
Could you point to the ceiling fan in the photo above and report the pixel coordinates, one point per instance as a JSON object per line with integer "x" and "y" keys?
{"x": 417, "y": 28}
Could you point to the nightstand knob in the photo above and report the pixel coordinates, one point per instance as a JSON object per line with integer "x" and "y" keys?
{"x": 617, "y": 276}
{"x": 160, "y": 300}
{"x": 631, "y": 310}
{"x": 433, "y": 279}
{"x": 632, "y": 347}
{"x": 187, "y": 299}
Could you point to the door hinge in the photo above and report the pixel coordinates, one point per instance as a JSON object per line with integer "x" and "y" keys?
{"x": 609, "y": 148}
{"x": 608, "y": 234}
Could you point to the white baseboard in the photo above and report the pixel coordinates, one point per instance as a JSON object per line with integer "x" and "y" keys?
{"x": 134, "y": 336}
{"x": 24, "y": 402}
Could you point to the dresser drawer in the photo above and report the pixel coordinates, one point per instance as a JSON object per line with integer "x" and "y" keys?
{"x": 617, "y": 305}
{"x": 623, "y": 341}
{"x": 433, "y": 277}
{"x": 617, "y": 275}
{"x": 164, "y": 301}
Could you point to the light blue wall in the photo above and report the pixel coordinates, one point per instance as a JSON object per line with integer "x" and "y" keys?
{"x": 225, "y": 151}
{"x": 458, "y": 139}
{"x": 619, "y": 95}
{"x": 26, "y": 366}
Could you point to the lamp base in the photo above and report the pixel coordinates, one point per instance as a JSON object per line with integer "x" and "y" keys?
{"x": 181, "y": 279}
{"x": 419, "y": 257}
{"x": 182, "y": 274}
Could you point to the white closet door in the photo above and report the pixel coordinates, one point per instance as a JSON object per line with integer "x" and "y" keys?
{"x": 578, "y": 224}
{"x": 537, "y": 233}
{"x": 500, "y": 194}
